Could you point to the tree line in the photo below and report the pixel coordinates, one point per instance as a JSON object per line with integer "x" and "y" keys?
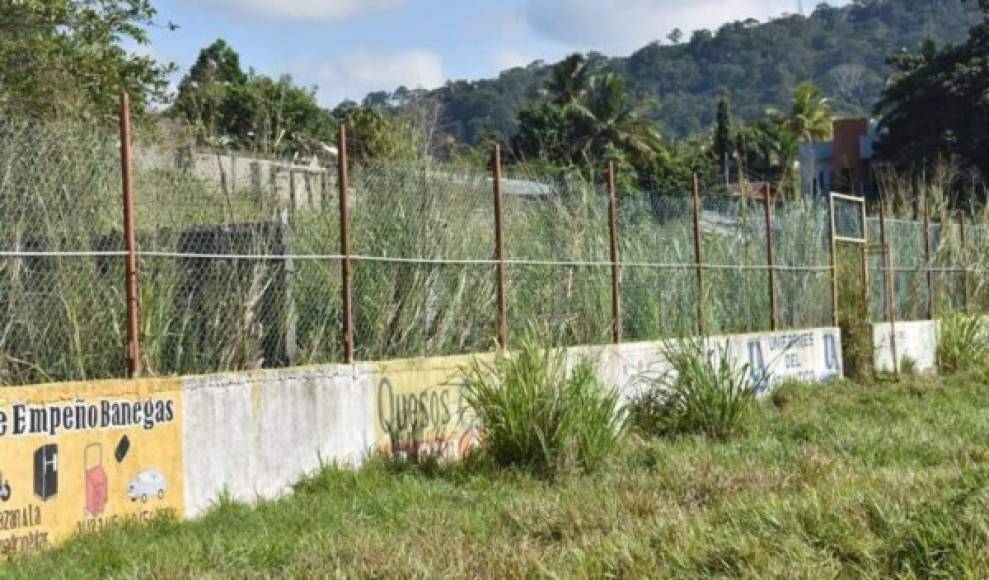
{"x": 65, "y": 58}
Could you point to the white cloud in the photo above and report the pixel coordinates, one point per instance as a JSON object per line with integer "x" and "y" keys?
{"x": 619, "y": 26}
{"x": 354, "y": 75}
{"x": 324, "y": 10}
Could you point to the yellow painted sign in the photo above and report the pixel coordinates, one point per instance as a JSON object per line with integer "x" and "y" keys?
{"x": 420, "y": 410}
{"x": 77, "y": 457}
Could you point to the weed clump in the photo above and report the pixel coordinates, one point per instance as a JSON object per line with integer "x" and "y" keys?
{"x": 701, "y": 394}
{"x": 908, "y": 366}
{"x": 963, "y": 343}
{"x": 535, "y": 415}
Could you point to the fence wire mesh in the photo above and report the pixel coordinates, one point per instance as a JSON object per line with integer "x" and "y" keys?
{"x": 240, "y": 265}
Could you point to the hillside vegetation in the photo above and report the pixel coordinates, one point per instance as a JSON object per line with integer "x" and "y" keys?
{"x": 842, "y": 50}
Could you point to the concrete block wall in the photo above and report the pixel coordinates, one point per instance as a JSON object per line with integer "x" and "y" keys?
{"x": 110, "y": 450}
{"x": 916, "y": 340}
{"x": 252, "y": 435}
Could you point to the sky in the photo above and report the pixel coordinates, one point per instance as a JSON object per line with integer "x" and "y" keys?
{"x": 347, "y": 48}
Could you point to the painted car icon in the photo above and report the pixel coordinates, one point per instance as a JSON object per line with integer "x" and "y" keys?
{"x": 147, "y": 483}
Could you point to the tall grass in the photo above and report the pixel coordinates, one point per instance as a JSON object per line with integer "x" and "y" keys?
{"x": 535, "y": 415}
{"x": 963, "y": 343}
{"x": 59, "y": 316}
{"x": 844, "y": 481}
{"x": 853, "y": 320}
{"x": 701, "y": 393}
{"x": 62, "y": 318}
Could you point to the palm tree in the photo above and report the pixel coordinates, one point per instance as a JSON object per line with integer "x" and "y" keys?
{"x": 570, "y": 81}
{"x": 810, "y": 117}
{"x": 780, "y": 134}
{"x": 589, "y": 118}
{"x": 607, "y": 122}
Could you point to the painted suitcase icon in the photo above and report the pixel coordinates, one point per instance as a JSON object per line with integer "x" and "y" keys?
{"x": 97, "y": 488}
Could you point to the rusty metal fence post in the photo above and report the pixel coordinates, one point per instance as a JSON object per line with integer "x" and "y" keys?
{"x": 500, "y": 250}
{"x": 833, "y": 246}
{"x": 346, "y": 274}
{"x": 931, "y": 307}
{"x": 699, "y": 257}
{"x": 130, "y": 240}
{"x": 964, "y": 258}
{"x": 616, "y": 271}
{"x": 888, "y": 286}
{"x": 866, "y": 303}
{"x": 770, "y": 260}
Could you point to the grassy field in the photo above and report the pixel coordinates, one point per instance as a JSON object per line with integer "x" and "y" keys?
{"x": 838, "y": 480}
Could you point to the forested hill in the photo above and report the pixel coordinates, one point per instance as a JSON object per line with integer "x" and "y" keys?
{"x": 842, "y": 50}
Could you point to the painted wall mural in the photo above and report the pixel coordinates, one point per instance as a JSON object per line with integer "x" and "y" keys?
{"x": 803, "y": 356}
{"x": 420, "y": 410}
{"x": 77, "y": 457}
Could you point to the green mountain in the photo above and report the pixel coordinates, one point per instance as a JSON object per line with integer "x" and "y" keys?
{"x": 842, "y": 50}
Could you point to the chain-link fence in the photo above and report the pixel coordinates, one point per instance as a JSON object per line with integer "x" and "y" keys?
{"x": 240, "y": 261}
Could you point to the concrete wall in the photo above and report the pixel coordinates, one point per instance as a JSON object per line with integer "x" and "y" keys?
{"x": 252, "y": 435}
{"x": 304, "y": 182}
{"x": 915, "y": 340}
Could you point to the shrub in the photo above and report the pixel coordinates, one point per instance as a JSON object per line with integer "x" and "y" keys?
{"x": 908, "y": 365}
{"x": 783, "y": 395}
{"x": 853, "y": 319}
{"x": 702, "y": 393}
{"x": 963, "y": 343}
{"x": 534, "y": 415}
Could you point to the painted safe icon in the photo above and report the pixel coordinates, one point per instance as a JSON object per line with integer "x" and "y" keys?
{"x": 46, "y": 471}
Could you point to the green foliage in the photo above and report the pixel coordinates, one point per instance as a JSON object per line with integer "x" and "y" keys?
{"x": 373, "y": 134}
{"x": 840, "y": 49}
{"x": 570, "y": 80}
{"x": 856, "y": 330}
{"x": 248, "y": 110}
{"x": 810, "y": 116}
{"x": 581, "y": 126}
{"x": 842, "y": 481}
{"x": 767, "y": 147}
{"x": 587, "y": 119}
{"x": 543, "y": 134}
{"x": 935, "y": 104}
{"x": 908, "y": 365}
{"x": 963, "y": 343}
{"x": 204, "y": 96}
{"x": 65, "y": 57}
{"x": 723, "y": 142}
{"x": 536, "y": 415}
{"x": 702, "y": 393}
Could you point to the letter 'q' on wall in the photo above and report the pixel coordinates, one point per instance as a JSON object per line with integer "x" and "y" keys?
{"x": 76, "y": 457}
{"x": 420, "y": 410}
